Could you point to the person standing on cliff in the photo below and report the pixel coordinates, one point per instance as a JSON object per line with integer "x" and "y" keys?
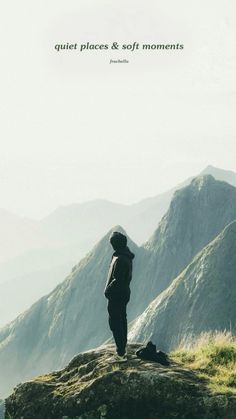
{"x": 117, "y": 291}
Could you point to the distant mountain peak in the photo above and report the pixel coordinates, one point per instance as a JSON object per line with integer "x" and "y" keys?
{"x": 118, "y": 228}
{"x": 202, "y": 181}
{"x": 220, "y": 174}
{"x": 103, "y": 248}
{"x": 209, "y": 167}
{"x": 108, "y": 234}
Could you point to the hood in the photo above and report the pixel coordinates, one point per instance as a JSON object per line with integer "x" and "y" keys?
{"x": 125, "y": 252}
{"x": 118, "y": 241}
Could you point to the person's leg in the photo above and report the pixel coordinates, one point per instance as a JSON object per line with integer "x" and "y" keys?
{"x": 116, "y": 323}
{"x": 124, "y": 324}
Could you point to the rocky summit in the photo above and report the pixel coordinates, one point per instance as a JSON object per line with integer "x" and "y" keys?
{"x": 95, "y": 386}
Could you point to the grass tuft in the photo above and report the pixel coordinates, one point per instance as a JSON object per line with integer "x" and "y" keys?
{"x": 213, "y": 357}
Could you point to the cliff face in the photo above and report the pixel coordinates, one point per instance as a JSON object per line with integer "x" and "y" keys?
{"x": 197, "y": 214}
{"x": 93, "y": 386}
{"x": 202, "y": 298}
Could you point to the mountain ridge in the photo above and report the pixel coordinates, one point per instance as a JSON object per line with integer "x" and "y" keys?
{"x": 185, "y": 308}
{"x": 67, "y": 234}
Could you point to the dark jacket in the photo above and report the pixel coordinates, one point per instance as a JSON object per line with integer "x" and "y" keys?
{"x": 119, "y": 275}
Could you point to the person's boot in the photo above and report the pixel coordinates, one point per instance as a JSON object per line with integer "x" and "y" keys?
{"x": 117, "y": 357}
{"x": 120, "y": 358}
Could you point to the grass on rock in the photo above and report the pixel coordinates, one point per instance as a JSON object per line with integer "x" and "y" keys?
{"x": 212, "y": 356}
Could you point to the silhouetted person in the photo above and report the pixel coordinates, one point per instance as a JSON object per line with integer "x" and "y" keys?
{"x": 117, "y": 291}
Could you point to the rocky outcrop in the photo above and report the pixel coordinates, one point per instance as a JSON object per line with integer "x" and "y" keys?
{"x": 93, "y": 386}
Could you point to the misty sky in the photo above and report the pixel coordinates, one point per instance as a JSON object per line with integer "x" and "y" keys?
{"x": 75, "y": 128}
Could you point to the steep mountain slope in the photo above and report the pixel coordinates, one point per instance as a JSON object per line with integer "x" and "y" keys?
{"x": 28, "y": 277}
{"x": 196, "y": 215}
{"x": 18, "y": 294}
{"x": 70, "y": 319}
{"x": 202, "y": 298}
{"x": 147, "y": 213}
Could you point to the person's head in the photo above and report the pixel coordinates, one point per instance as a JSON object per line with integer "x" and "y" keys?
{"x": 118, "y": 241}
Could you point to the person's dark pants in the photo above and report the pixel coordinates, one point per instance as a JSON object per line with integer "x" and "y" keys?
{"x": 118, "y": 324}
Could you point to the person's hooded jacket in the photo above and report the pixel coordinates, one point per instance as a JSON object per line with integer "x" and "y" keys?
{"x": 120, "y": 270}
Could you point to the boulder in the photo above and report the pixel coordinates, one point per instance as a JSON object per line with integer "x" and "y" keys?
{"x": 95, "y": 386}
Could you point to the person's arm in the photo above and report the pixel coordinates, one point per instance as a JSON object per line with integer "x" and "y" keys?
{"x": 119, "y": 274}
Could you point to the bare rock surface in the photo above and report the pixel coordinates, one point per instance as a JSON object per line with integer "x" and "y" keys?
{"x": 94, "y": 386}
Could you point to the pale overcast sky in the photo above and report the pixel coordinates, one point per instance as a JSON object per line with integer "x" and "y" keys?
{"x": 76, "y": 128}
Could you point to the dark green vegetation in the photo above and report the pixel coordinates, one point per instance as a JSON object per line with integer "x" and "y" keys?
{"x": 94, "y": 387}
